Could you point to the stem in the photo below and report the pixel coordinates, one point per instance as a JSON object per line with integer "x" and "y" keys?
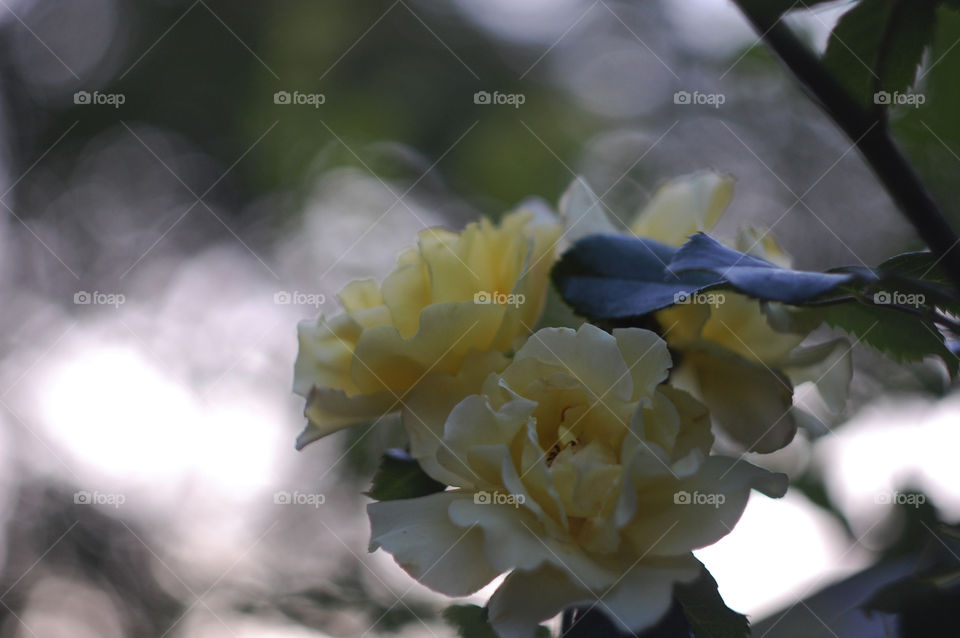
{"x": 871, "y": 135}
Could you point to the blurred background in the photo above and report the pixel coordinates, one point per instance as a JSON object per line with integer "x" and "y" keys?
{"x": 182, "y": 181}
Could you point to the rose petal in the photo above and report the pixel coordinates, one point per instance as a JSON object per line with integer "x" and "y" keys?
{"x": 324, "y": 354}
{"x": 328, "y": 411}
{"x": 648, "y": 357}
{"x": 513, "y": 538}
{"x": 829, "y": 366}
{"x": 739, "y": 325}
{"x": 428, "y": 546}
{"x": 360, "y": 295}
{"x": 637, "y": 601}
{"x": 673, "y": 519}
{"x": 428, "y": 406}
{"x": 527, "y": 598}
{"x": 644, "y": 594}
{"x": 448, "y": 332}
{"x": 406, "y": 291}
{"x": 752, "y": 403}
{"x": 684, "y": 206}
{"x": 589, "y": 354}
{"x": 583, "y": 213}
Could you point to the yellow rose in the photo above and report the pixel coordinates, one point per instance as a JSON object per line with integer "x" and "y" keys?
{"x": 581, "y": 474}
{"x": 732, "y": 358}
{"x": 455, "y": 300}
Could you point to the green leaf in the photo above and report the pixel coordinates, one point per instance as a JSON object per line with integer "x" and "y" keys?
{"x": 470, "y": 621}
{"x": 920, "y": 273}
{"x": 918, "y": 264}
{"x": 708, "y": 615}
{"x": 617, "y": 277}
{"x": 393, "y": 618}
{"x": 401, "y": 477}
{"x": 903, "y": 336}
{"x": 757, "y": 277}
{"x": 877, "y": 46}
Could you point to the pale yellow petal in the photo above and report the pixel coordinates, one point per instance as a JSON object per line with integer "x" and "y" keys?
{"x": 682, "y": 324}
{"x": 383, "y": 359}
{"x": 588, "y": 353}
{"x": 661, "y": 422}
{"x": 675, "y": 516}
{"x": 538, "y": 479}
{"x": 694, "y": 431}
{"x": 829, "y": 366}
{"x": 740, "y": 326}
{"x": 428, "y": 546}
{"x": 512, "y": 540}
{"x": 583, "y": 213}
{"x": 761, "y": 243}
{"x": 427, "y": 408}
{"x": 328, "y": 410}
{"x": 406, "y": 292}
{"x": 644, "y": 594}
{"x": 648, "y": 359}
{"x": 325, "y": 353}
{"x": 527, "y": 598}
{"x": 360, "y": 295}
{"x": 684, "y": 206}
{"x": 639, "y": 599}
{"x": 749, "y": 401}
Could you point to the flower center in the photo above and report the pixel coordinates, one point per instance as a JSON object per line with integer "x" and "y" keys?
{"x": 565, "y": 433}
{"x": 557, "y": 448}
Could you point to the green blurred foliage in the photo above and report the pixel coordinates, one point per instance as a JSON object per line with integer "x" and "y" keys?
{"x": 385, "y": 76}
{"x": 930, "y": 134}
{"x": 878, "y": 45}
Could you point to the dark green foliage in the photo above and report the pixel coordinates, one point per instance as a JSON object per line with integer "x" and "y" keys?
{"x": 400, "y": 477}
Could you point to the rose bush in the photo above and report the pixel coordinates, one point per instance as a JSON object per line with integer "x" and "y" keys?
{"x": 731, "y": 346}
{"x": 577, "y": 470}
{"x": 455, "y": 301}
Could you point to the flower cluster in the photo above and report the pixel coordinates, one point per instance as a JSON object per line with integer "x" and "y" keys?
{"x": 577, "y": 460}
{"x": 730, "y": 346}
{"x": 597, "y": 454}
{"x": 428, "y": 316}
